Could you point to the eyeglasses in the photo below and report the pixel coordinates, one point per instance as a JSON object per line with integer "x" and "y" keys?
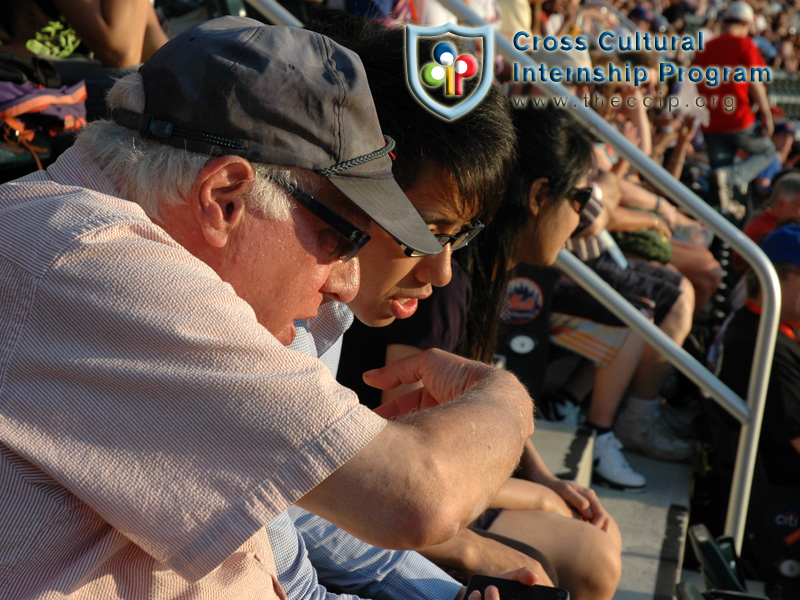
{"x": 354, "y": 239}
{"x": 457, "y": 241}
{"x": 579, "y": 198}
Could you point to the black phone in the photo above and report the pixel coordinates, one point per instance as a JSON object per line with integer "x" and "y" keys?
{"x": 513, "y": 590}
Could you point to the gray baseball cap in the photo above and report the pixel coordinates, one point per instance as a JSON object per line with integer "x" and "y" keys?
{"x": 281, "y": 96}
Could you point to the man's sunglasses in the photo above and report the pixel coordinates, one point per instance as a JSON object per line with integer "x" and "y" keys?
{"x": 579, "y": 198}
{"x": 353, "y": 238}
{"x": 457, "y": 241}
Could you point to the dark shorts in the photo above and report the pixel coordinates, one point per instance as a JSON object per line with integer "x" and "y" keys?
{"x": 653, "y": 289}
{"x": 486, "y": 518}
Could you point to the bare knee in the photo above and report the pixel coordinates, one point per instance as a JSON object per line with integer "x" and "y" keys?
{"x": 602, "y": 579}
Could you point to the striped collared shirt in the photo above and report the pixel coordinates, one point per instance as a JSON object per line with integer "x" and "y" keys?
{"x": 149, "y": 426}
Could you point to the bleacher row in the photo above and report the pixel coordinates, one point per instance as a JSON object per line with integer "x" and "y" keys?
{"x": 784, "y": 93}
{"x": 654, "y": 525}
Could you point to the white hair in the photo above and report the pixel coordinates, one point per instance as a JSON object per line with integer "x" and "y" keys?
{"x": 153, "y": 174}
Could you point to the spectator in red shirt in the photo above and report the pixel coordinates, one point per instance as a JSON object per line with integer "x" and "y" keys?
{"x": 731, "y": 130}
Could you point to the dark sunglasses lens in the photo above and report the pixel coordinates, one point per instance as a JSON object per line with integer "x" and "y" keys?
{"x": 579, "y": 197}
{"x": 583, "y": 196}
{"x": 352, "y": 239}
{"x": 348, "y": 248}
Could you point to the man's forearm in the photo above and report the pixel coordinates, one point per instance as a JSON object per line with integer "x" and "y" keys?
{"x": 428, "y": 474}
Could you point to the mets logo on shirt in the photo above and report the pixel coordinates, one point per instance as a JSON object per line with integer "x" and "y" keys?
{"x": 447, "y": 69}
{"x": 525, "y": 300}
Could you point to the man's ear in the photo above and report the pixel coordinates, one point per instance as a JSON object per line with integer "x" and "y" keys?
{"x": 535, "y": 194}
{"x": 218, "y": 197}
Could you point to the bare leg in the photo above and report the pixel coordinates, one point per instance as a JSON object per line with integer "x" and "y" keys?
{"x": 611, "y": 381}
{"x": 653, "y": 368}
{"x": 700, "y": 267}
{"x": 587, "y": 559}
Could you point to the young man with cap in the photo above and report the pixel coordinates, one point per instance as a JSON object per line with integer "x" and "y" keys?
{"x": 454, "y": 174}
{"x": 729, "y": 131}
{"x": 779, "y": 445}
{"x": 151, "y": 422}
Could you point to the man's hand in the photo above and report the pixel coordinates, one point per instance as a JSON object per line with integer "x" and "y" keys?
{"x": 469, "y": 553}
{"x": 767, "y": 123}
{"x": 426, "y": 475}
{"x": 584, "y": 501}
{"x": 444, "y": 376}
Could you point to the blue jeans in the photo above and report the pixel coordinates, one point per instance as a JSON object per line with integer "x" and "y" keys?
{"x": 722, "y": 148}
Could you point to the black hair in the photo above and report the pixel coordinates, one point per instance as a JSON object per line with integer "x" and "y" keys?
{"x": 477, "y": 150}
{"x": 552, "y": 145}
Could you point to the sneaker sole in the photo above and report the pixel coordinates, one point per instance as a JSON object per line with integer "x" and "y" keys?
{"x": 600, "y": 480}
{"x": 676, "y": 458}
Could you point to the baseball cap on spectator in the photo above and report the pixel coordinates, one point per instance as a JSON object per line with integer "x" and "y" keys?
{"x": 660, "y": 24}
{"x": 277, "y": 95}
{"x": 783, "y": 245}
{"x": 639, "y": 12}
{"x": 784, "y": 127}
{"x": 739, "y": 11}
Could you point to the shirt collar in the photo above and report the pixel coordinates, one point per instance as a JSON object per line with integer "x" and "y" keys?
{"x": 74, "y": 168}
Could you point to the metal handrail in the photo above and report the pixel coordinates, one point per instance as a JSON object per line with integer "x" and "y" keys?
{"x": 749, "y": 415}
{"x": 275, "y": 13}
{"x": 620, "y": 307}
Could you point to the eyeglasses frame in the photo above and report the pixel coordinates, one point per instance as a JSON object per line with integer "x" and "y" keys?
{"x": 356, "y": 236}
{"x": 465, "y": 237}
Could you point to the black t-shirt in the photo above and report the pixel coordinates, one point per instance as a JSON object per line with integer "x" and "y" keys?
{"x": 675, "y": 12}
{"x": 439, "y": 322}
{"x": 782, "y": 413}
{"x": 523, "y": 339}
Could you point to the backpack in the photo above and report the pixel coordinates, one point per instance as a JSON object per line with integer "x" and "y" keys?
{"x": 38, "y": 114}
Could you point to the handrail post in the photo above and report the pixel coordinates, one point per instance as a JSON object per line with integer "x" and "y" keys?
{"x": 750, "y": 432}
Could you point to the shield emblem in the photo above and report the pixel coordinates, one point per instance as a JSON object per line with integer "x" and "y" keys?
{"x": 445, "y": 69}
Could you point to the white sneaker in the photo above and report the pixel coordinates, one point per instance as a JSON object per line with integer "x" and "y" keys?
{"x": 557, "y": 407}
{"x": 727, "y": 204}
{"x": 652, "y": 437}
{"x": 723, "y": 190}
{"x": 680, "y": 420}
{"x": 611, "y": 467}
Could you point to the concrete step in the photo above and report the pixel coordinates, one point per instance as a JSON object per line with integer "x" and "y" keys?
{"x": 565, "y": 449}
{"x": 654, "y": 524}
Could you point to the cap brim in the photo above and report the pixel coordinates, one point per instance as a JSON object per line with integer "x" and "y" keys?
{"x": 387, "y": 205}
